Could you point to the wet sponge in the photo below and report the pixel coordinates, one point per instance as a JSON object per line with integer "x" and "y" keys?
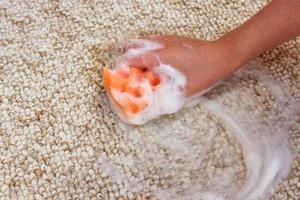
{"x": 139, "y": 95}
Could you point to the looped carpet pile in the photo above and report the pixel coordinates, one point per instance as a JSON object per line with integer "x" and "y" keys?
{"x": 59, "y": 138}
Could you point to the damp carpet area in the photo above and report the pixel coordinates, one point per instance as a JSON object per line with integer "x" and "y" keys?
{"x": 60, "y": 139}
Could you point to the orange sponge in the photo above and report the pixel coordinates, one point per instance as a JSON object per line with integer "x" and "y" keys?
{"x": 128, "y": 88}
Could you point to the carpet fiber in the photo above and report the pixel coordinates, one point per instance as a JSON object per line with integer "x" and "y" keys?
{"x": 59, "y": 138}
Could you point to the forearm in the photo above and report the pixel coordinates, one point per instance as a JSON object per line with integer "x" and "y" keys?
{"x": 278, "y": 22}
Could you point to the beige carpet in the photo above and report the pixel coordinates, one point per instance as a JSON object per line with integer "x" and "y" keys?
{"x": 59, "y": 138}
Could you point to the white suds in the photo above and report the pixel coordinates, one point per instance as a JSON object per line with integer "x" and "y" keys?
{"x": 265, "y": 162}
{"x": 169, "y": 97}
{"x": 261, "y": 130}
{"x": 138, "y": 47}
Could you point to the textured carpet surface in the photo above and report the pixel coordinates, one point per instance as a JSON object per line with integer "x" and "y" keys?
{"x": 59, "y": 138}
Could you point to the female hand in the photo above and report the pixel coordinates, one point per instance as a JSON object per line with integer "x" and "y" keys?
{"x": 202, "y": 62}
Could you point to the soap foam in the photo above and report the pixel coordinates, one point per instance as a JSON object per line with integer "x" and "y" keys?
{"x": 266, "y": 162}
{"x": 137, "y": 47}
{"x": 263, "y": 135}
{"x": 167, "y": 99}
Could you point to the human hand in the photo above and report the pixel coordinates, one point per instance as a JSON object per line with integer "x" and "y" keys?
{"x": 202, "y": 62}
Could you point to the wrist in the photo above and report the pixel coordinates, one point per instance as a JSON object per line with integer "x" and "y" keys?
{"x": 234, "y": 56}
{"x": 227, "y": 58}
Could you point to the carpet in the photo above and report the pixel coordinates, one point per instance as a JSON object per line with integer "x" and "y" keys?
{"x": 59, "y": 138}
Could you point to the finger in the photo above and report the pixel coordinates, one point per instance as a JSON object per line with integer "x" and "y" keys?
{"x": 139, "y": 43}
{"x": 132, "y": 44}
{"x": 159, "y": 38}
{"x": 165, "y": 39}
{"x": 146, "y": 60}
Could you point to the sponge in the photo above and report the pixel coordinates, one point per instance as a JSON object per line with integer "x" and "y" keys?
{"x": 139, "y": 95}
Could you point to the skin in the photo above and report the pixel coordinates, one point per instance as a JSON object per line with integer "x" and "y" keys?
{"x": 206, "y": 62}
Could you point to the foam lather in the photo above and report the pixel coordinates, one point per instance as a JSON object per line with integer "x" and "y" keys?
{"x": 139, "y": 95}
